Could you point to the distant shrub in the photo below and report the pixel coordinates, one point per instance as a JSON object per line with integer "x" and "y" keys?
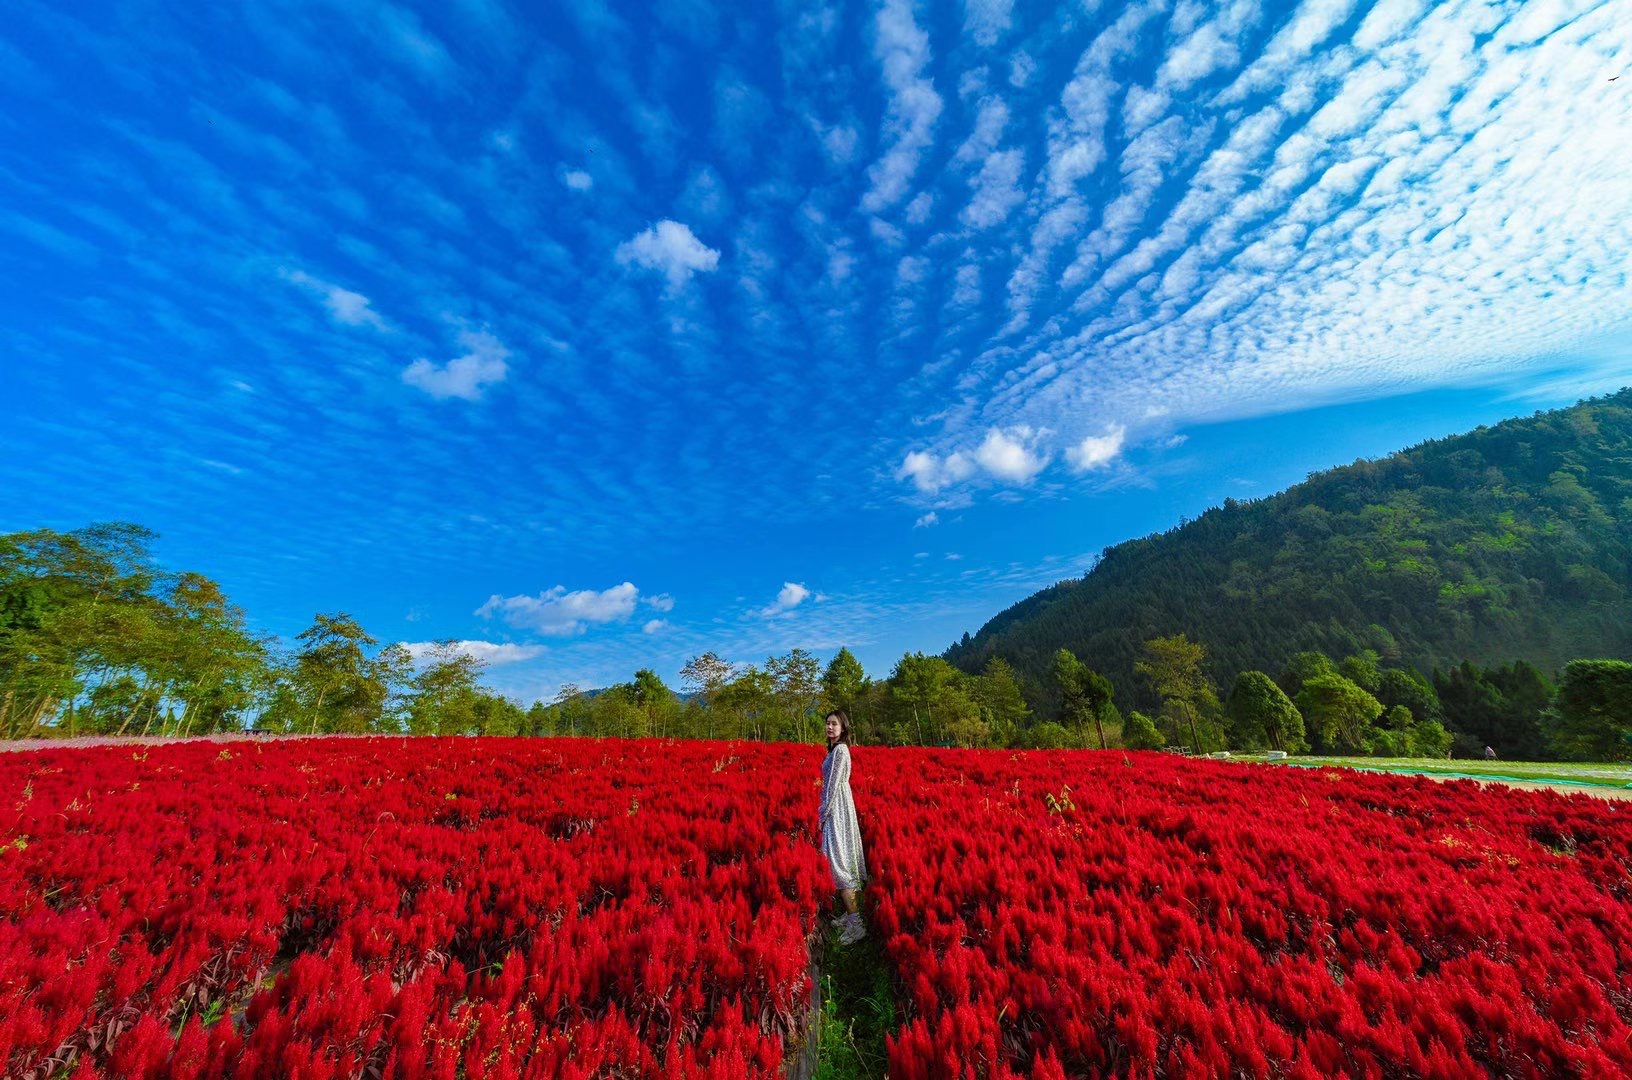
{"x": 1049, "y": 736}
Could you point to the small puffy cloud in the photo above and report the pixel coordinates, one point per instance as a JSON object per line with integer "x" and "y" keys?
{"x": 672, "y": 250}
{"x": 1173, "y": 441}
{"x": 655, "y": 626}
{"x": 660, "y": 602}
{"x": 930, "y": 473}
{"x": 345, "y": 306}
{"x": 578, "y": 180}
{"x": 482, "y": 364}
{"x": 562, "y": 613}
{"x": 918, "y": 209}
{"x": 1098, "y": 451}
{"x": 926, "y": 521}
{"x": 491, "y": 653}
{"x": 1009, "y": 455}
{"x": 953, "y": 556}
{"x": 840, "y": 143}
{"x": 792, "y": 594}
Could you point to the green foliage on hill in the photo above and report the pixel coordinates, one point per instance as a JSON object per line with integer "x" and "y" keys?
{"x": 1509, "y": 542}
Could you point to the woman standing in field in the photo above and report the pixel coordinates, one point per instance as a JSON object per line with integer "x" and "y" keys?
{"x": 841, "y": 835}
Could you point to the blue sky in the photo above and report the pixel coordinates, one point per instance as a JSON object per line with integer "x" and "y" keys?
{"x": 599, "y": 336}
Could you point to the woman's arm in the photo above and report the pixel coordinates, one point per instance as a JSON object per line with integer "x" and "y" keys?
{"x": 841, "y": 766}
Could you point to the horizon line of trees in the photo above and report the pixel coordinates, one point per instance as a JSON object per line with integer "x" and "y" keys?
{"x": 95, "y": 640}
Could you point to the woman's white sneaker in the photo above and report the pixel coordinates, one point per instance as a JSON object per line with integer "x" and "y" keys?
{"x": 853, "y": 932}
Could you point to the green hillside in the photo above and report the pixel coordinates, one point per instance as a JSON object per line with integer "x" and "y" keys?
{"x": 1509, "y": 542}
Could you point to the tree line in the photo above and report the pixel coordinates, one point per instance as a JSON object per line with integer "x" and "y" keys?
{"x": 96, "y": 639}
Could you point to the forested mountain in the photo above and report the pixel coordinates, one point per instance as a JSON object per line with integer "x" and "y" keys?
{"x": 1512, "y": 542}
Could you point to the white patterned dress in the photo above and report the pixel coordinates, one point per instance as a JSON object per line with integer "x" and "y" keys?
{"x": 841, "y": 835}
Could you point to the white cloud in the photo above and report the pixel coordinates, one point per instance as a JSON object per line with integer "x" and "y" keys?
{"x": 561, "y": 613}
{"x": 492, "y": 653}
{"x": 660, "y": 602}
{"x": 839, "y": 141}
{"x": 918, "y": 209}
{"x": 985, "y": 20}
{"x": 345, "y": 306}
{"x": 654, "y": 626}
{"x": 671, "y": 249}
{"x": 902, "y": 48}
{"x": 578, "y": 180}
{"x": 931, "y": 473}
{"x": 1021, "y": 68}
{"x": 996, "y": 189}
{"x": 1009, "y": 455}
{"x": 1198, "y": 56}
{"x": 792, "y": 594}
{"x": 990, "y": 121}
{"x": 1097, "y": 451}
{"x": 927, "y": 520}
{"x": 482, "y": 365}
{"x": 967, "y": 293}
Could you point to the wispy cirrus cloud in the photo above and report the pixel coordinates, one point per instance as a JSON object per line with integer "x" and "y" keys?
{"x": 345, "y": 306}
{"x": 490, "y": 653}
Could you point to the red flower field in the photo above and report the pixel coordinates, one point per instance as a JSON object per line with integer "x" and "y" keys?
{"x": 406, "y": 908}
{"x": 392, "y": 907}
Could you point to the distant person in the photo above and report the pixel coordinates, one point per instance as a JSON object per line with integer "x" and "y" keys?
{"x": 1490, "y": 755}
{"x": 841, "y": 835}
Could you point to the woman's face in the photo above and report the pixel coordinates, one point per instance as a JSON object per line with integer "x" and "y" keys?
{"x": 833, "y": 728}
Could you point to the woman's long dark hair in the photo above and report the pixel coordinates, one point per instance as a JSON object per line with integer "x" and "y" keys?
{"x": 844, "y": 728}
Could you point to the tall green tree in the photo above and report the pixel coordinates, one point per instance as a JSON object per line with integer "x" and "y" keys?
{"x": 1084, "y": 695}
{"x": 844, "y": 682}
{"x": 1002, "y": 705}
{"x": 1594, "y": 710}
{"x": 1261, "y": 714}
{"x": 442, "y": 696}
{"x": 1340, "y": 712}
{"x": 337, "y": 683}
{"x": 798, "y": 679}
{"x": 657, "y": 702}
{"x": 919, "y": 685}
{"x": 705, "y": 677}
{"x": 1173, "y": 668}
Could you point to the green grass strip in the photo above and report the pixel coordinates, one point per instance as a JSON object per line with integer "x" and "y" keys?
{"x": 858, "y": 1009}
